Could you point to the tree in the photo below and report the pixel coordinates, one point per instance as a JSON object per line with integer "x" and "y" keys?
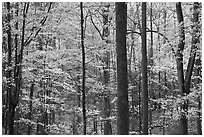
{"x": 179, "y": 61}
{"x": 11, "y": 108}
{"x": 184, "y": 84}
{"x": 195, "y": 41}
{"x": 106, "y": 75}
{"x": 30, "y": 107}
{"x": 144, "y": 70}
{"x": 45, "y": 91}
{"x": 84, "y": 70}
{"x": 122, "y": 81}
{"x": 151, "y": 63}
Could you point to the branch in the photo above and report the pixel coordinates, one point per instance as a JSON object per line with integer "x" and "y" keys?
{"x": 42, "y": 23}
{"x": 95, "y": 26}
{"x": 130, "y": 32}
{"x": 132, "y": 21}
{"x": 148, "y": 30}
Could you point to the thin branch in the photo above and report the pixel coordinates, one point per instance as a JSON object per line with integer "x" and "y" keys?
{"x": 95, "y": 26}
{"x": 42, "y": 23}
{"x": 148, "y": 30}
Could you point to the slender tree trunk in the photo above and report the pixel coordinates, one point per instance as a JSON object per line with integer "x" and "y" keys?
{"x": 144, "y": 70}
{"x": 106, "y": 75}
{"x": 122, "y": 81}
{"x": 84, "y": 70}
{"x": 95, "y": 123}
{"x": 151, "y": 92}
{"x": 195, "y": 40}
{"x": 159, "y": 73}
{"x": 140, "y": 110}
{"x": 30, "y": 107}
{"x": 165, "y": 77}
{"x": 179, "y": 61}
{"x": 8, "y": 75}
{"x": 131, "y": 80}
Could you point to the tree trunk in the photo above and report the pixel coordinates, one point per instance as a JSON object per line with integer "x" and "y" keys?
{"x": 122, "y": 81}
{"x": 140, "y": 110}
{"x": 165, "y": 77}
{"x": 179, "y": 61}
{"x": 151, "y": 92}
{"x": 8, "y": 125}
{"x": 144, "y": 70}
{"x": 195, "y": 40}
{"x": 106, "y": 75}
{"x": 84, "y": 70}
{"x": 30, "y": 107}
{"x": 95, "y": 123}
{"x": 198, "y": 86}
{"x": 131, "y": 79}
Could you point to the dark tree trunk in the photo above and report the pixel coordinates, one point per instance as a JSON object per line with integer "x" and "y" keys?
{"x": 30, "y": 107}
{"x": 140, "y": 110}
{"x": 195, "y": 40}
{"x": 179, "y": 61}
{"x": 122, "y": 81}
{"x": 11, "y": 94}
{"x": 144, "y": 70}
{"x": 84, "y": 70}
{"x": 8, "y": 74}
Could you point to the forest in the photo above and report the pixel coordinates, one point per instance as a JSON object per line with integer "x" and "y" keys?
{"x": 101, "y": 68}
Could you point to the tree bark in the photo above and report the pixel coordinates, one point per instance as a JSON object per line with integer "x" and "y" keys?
{"x": 165, "y": 77}
{"x": 10, "y": 93}
{"x": 151, "y": 92}
{"x": 144, "y": 70}
{"x": 180, "y": 73}
{"x": 9, "y": 74}
{"x": 122, "y": 81}
{"x": 84, "y": 70}
{"x": 140, "y": 111}
{"x": 106, "y": 75}
{"x": 195, "y": 40}
{"x": 198, "y": 83}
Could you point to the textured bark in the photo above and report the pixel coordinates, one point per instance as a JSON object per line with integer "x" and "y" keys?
{"x": 84, "y": 70}
{"x": 144, "y": 70}
{"x": 140, "y": 109}
{"x": 10, "y": 92}
{"x": 179, "y": 61}
{"x": 151, "y": 92}
{"x": 8, "y": 73}
{"x": 122, "y": 81}
{"x": 106, "y": 75}
{"x": 165, "y": 77}
{"x": 195, "y": 40}
{"x": 198, "y": 82}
